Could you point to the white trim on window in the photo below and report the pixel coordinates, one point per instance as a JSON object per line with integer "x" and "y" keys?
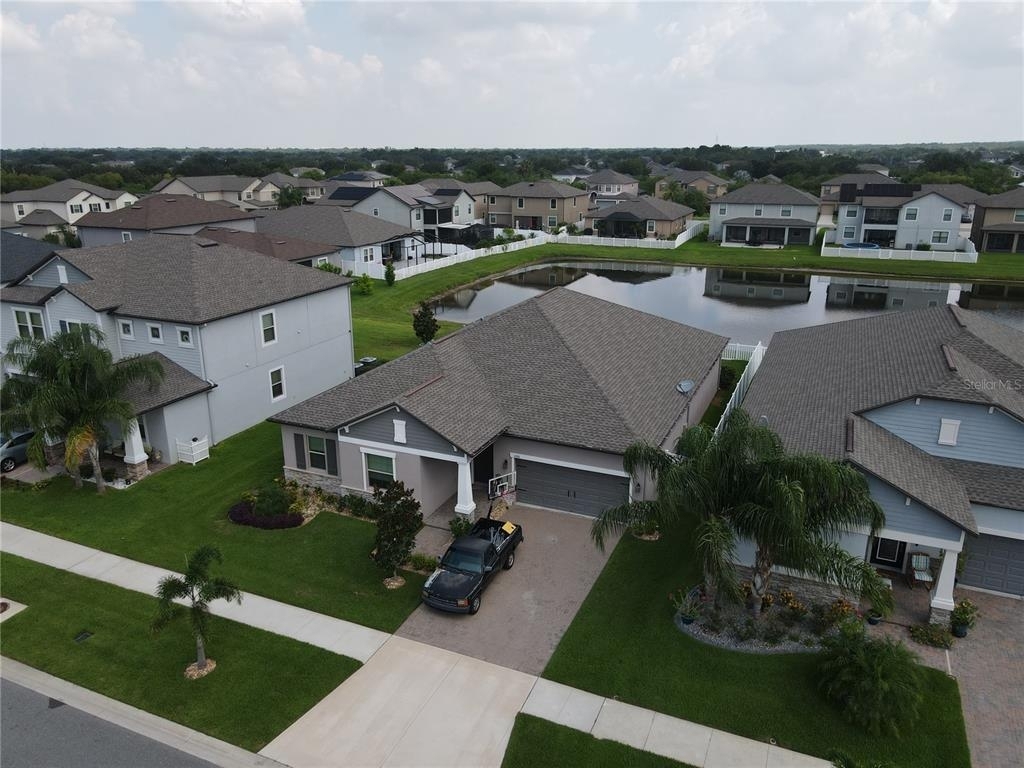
{"x": 519, "y": 202}
{"x": 62, "y": 274}
{"x": 418, "y": 214}
{"x": 321, "y": 260}
{"x": 947, "y": 214}
{"x": 321, "y": 455}
{"x": 907, "y": 215}
{"x": 786, "y": 211}
{"x": 851, "y": 212}
{"x": 95, "y": 208}
{"x": 1018, "y": 216}
{"x": 126, "y": 329}
{"x": 552, "y": 221}
{"x": 651, "y": 225}
{"x": 376, "y": 211}
{"x": 21, "y": 209}
{"x": 184, "y": 335}
{"x": 849, "y": 233}
{"x": 30, "y": 324}
{"x": 722, "y": 209}
{"x": 272, "y": 328}
{"x": 940, "y": 236}
{"x": 492, "y": 218}
{"x": 126, "y": 237}
{"x": 279, "y": 384}
{"x": 76, "y": 208}
{"x": 949, "y": 430}
{"x": 364, "y": 452}
{"x": 399, "y": 430}
{"x": 67, "y": 325}
{"x": 159, "y": 337}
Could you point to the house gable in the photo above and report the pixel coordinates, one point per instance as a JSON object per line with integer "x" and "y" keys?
{"x": 908, "y": 516}
{"x": 49, "y": 274}
{"x": 380, "y": 428}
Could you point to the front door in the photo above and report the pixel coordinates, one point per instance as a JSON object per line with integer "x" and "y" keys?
{"x": 888, "y": 553}
{"x": 483, "y": 465}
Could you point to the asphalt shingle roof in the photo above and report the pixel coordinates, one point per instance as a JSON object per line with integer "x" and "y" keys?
{"x": 33, "y": 295}
{"x": 20, "y": 254}
{"x": 642, "y": 209}
{"x": 989, "y": 484}
{"x": 226, "y": 183}
{"x": 608, "y": 176}
{"x": 541, "y": 189}
{"x": 771, "y": 194}
{"x": 178, "y": 383}
{"x": 60, "y": 192}
{"x": 330, "y": 224}
{"x": 192, "y": 280}
{"x": 684, "y": 176}
{"x": 41, "y": 217}
{"x": 860, "y": 179}
{"x": 755, "y": 221}
{"x": 163, "y": 212}
{"x": 562, "y": 367}
{"x": 1012, "y": 199}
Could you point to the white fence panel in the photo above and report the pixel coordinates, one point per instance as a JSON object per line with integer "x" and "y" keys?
{"x": 753, "y": 355}
{"x": 895, "y": 254}
{"x": 194, "y": 451}
{"x": 617, "y": 242}
{"x": 693, "y": 229}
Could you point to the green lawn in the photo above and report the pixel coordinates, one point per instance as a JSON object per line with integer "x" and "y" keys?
{"x": 262, "y": 684}
{"x": 324, "y": 566}
{"x": 623, "y": 644}
{"x": 714, "y": 412}
{"x": 382, "y": 321}
{"x": 536, "y": 742}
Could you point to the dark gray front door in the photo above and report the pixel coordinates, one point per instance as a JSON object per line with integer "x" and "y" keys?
{"x": 995, "y": 563}
{"x": 570, "y": 490}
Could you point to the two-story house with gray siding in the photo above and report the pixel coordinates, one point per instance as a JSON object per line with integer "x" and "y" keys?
{"x": 240, "y": 335}
{"x": 436, "y": 214}
{"x": 160, "y": 215}
{"x": 998, "y": 224}
{"x": 543, "y": 397}
{"x": 929, "y": 406}
{"x": 764, "y": 214}
{"x": 61, "y": 204}
{"x": 898, "y": 216}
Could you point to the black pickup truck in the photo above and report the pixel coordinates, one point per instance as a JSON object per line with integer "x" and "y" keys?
{"x": 470, "y": 563}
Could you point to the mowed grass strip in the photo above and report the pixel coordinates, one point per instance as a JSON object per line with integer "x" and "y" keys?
{"x": 262, "y": 684}
{"x": 324, "y": 566}
{"x": 623, "y": 644}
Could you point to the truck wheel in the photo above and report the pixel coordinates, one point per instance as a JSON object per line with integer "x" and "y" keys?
{"x": 509, "y": 561}
{"x": 474, "y": 605}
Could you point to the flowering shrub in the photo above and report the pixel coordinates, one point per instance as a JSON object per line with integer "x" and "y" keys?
{"x": 792, "y": 604}
{"x": 242, "y": 513}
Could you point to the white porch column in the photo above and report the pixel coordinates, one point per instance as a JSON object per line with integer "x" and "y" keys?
{"x": 942, "y": 598}
{"x": 133, "y": 451}
{"x": 465, "y": 504}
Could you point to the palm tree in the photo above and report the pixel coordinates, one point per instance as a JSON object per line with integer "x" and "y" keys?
{"x": 71, "y": 387}
{"x": 743, "y": 483}
{"x": 198, "y": 588}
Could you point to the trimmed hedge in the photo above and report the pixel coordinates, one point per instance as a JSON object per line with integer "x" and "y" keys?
{"x": 242, "y": 514}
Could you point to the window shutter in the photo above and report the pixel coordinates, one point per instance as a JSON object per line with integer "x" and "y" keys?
{"x": 300, "y": 451}
{"x": 332, "y": 457}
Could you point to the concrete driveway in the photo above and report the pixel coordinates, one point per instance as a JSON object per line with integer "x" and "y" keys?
{"x": 526, "y": 610}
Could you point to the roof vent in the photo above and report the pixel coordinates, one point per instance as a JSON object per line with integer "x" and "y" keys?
{"x": 685, "y": 386}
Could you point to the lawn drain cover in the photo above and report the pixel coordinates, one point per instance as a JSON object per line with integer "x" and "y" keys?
{"x": 82, "y": 636}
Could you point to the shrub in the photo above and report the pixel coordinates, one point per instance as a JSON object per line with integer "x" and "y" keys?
{"x": 923, "y": 247}
{"x": 109, "y": 475}
{"x": 746, "y": 631}
{"x": 700, "y": 237}
{"x": 424, "y": 324}
{"x": 13, "y": 484}
{"x": 686, "y": 605}
{"x": 271, "y": 500}
{"x": 460, "y": 526}
{"x": 935, "y": 635}
{"x": 328, "y": 267}
{"x": 242, "y": 513}
{"x": 965, "y": 614}
{"x": 389, "y": 274}
{"x": 726, "y": 377}
{"x": 774, "y": 631}
{"x": 398, "y": 521}
{"x": 364, "y": 285}
{"x": 841, "y": 759}
{"x": 357, "y": 505}
{"x": 422, "y": 562}
{"x": 875, "y": 681}
{"x": 85, "y": 471}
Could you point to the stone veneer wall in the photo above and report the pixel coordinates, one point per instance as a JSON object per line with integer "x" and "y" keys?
{"x": 324, "y": 482}
{"x": 939, "y": 616}
{"x": 806, "y": 590}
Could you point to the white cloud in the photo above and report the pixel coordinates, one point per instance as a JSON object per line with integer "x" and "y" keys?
{"x": 431, "y": 72}
{"x": 88, "y": 35}
{"x": 16, "y": 36}
{"x": 247, "y": 18}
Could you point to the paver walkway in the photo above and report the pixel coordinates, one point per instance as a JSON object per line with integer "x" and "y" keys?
{"x": 412, "y": 704}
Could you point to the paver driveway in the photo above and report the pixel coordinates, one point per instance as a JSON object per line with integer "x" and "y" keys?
{"x": 525, "y": 611}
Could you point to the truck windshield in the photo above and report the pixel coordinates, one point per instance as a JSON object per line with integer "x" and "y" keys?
{"x": 463, "y": 561}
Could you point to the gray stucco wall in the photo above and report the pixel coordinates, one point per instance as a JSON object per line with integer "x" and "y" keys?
{"x": 93, "y": 236}
{"x": 381, "y": 429}
{"x": 993, "y": 438}
{"x": 388, "y": 209}
{"x": 929, "y": 218}
{"x": 64, "y": 306}
{"x": 184, "y": 420}
{"x": 706, "y": 390}
{"x": 912, "y": 519}
{"x": 187, "y": 357}
{"x": 747, "y": 210}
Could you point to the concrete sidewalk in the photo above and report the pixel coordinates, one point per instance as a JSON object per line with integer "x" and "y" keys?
{"x": 335, "y": 635}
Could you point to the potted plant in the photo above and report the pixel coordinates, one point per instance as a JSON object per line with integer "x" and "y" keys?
{"x": 874, "y": 616}
{"x": 688, "y": 605}
{"x": 963, "y": 618}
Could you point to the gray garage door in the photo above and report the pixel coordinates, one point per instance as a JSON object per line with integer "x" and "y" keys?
{"x": 570, "y": 490}
{"x": 995, "y": 563}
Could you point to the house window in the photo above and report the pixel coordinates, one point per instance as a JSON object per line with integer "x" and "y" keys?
{"x": 712, "y": 188}
{"x": 949, "y": 429}
{"x": 320, "y": 260}
{"x": 947, "y": 214}
{"x": 492, "y": 219}
{"x": 490, "y": 200}
{"x": 580, "y": 217}
{"x": 248, "y": 195}
{"x": 185, "y": 337}
{"x": 940, "y": 236}
{"x": 650, "y": 225}
{"x": 367, "y": 254}
{"x": 95, "y": 207}
{"x": 126, "y": 237}
{"x": 787, "y": 211}
{"x": 376, "y": 211}
{"x": 469, "y": 209}
{"x": 30, "y": 324}
{"x": 268, "y": 327}
{"x": 62, "y": 274}
{"x": 77, "y": 208}
{"x": 1018, "y": 216}
{"x": 399, "y": 431}
{"x": 127, "y": 329}
{"x": 722, "y": 209}
{"x": 418, "y": 215}
{"x": 553, "y": 204}
{"x": 106, "y": 206}
{"x": 21, "y": 209}
{"x": 126, "y": 203}
{"x": 519, "y": 202}
{"x": 911, "y": 214}
{"x": 758, "y": 210}
{"x": 380, "y": 470}
{"x": 849, "y": 233}
{"x": 156, "y": 333}
{"x": 456, "y": 211}
{"x": 70, "y": 325}
{"x": 276, "y": 384}
{"x": 239, "y": 195}
{"x": 851, "y": 213}
{"x": 897, "y": 303}
{"x": 316, "y": 452}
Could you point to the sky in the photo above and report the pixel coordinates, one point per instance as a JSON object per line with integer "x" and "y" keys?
{"x": 480, "y": 74}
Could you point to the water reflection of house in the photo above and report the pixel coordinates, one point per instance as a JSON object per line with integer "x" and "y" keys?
{"x": 992, "y": 296}
{"x": 732, "y": 284}
{"x": 564, "y": 274}
{"x": 865, "y": 293}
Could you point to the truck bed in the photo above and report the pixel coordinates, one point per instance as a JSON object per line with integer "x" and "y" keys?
{"x": 499, "y": 532}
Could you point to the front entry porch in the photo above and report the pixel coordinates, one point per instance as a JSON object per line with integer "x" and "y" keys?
{"x": 922, "y": 577}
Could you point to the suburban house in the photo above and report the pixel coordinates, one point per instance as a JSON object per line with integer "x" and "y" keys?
{"x": 20, "y": 254}
{"x": 572, "y": 173}
{"x": 239, "y": 335}
{"x": 543, "y": 397}
{"x": 830, "y": 188}
{"x": 537, "y": 205}
{"x": 1016, "y": 171}
{"x": 362, "y": 178}
{"x": 924, "y": 404}
{"x": 708, "y": 184}
{"x": 245, "y": 192}
{"x": 898, "y": 216}
{"x": 480, "y": 191}
{"x": 437, "y": 216}
{"x": 608, "y": 187}
{"x": 999, "y": 222}
{"x": 37, "y": 224}
{"x": 355, "y": 236}
{"x": 274, "y": 182}
{"x": 160, "y": 215}
{"x": 293, "y": 249}
{"x": 764, "y": 213}
{"x": 39, "y": 212}
{"x": 641, "y": 217}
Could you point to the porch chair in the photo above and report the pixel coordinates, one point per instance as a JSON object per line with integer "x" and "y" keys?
{"x": 920, "y": 571}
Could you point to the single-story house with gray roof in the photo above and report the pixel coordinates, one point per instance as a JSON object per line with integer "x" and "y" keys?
{"x": 543, "y": 397}
{"x": 928, "y": 405}
{"x": 643, "y": 217}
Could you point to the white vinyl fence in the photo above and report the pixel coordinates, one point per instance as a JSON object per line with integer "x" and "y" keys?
{"x": 967, "y": 256}
{"x": 193, "y": 451}
{"x": 376, "y": 270}
{"x": 753, "y": 355}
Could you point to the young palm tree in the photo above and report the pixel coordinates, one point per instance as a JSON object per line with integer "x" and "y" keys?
{"x": 198, "y": 588}
{"x": 71, "y": 388}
